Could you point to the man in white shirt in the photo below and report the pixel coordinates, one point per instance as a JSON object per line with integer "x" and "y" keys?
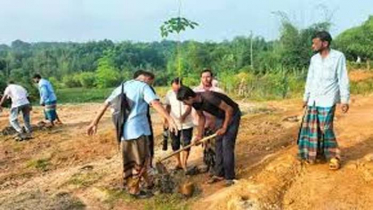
{"x": 180, "y": 113}
{"x": 20, "y": 103}
{"x": 327, "y": 84}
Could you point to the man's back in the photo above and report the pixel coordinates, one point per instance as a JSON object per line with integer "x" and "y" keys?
{"x": 18, "y": 94}
{"x": 47, "y": 91}
{"x": 139, "y": 95}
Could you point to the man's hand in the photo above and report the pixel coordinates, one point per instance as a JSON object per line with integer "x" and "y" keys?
{"x": 172, "y": 125}
{"x": 92, "y": 129}
{"x": 221, "y": 131}
{"x": 182, "y": 119}
{"x": 196, "y": 139}
{"x": 345, "y": 108}
{"x": 304, "y": 104}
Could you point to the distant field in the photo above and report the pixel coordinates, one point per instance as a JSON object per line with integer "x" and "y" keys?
{"x": 83, "y": 95}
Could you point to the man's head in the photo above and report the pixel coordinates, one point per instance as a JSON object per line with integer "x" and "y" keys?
{"x": 186, "y": 95}
{"x": 145, "y": 76}
{"x": 36, "y": 78}
{"x": 176, "y": 84}
{"x": 321, "y": 41}
{"x": 206, "y": 78}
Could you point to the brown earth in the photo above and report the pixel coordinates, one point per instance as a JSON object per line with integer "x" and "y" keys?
{"x": 62, "y": 168}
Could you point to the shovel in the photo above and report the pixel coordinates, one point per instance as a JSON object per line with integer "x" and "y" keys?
{"x": 162, "y": 169}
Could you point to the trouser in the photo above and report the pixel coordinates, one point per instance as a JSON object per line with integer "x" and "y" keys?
{"x": 224, "y": 146}
{"x": 13, "y": 118}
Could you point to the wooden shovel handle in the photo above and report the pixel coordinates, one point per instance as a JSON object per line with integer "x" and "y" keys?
{"x": 187, "y": 147}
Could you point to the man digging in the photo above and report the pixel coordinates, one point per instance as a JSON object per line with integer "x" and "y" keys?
{"x": 20, "y": 103}
{"x": 228, "y": 115}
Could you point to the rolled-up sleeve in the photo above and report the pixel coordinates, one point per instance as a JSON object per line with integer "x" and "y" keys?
{"x": 149, "y": 94}
{"x": 116, "y": 92}
{"x": 343, "y": 81}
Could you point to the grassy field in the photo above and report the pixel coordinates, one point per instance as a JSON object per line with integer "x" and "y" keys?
{"x": 83, "y": 95}
{"x": 268, "y": 87}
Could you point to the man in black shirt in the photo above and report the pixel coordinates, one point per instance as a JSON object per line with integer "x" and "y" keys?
{"x": 228, "y": 117}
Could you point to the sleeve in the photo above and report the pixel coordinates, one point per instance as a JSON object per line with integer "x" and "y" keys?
{"x": 149, "y": 94}
{"x": 116, "y": 92}
{"x": 6, "y": 93}
{"x": 43, "y": 93}
{"x": 343, "y": 81}
{"x": 309, "y": 80}
{"x": 167, "y": 99}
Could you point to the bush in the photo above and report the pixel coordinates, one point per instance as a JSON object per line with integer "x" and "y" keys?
{"x": 87, "y": 79}
{"x": 71, "y": 81}
{"x": 56, "y": 84}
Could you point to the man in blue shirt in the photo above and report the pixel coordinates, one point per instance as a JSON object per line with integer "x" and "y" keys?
{"x": 136, "y": 129}
{"x": 48, "y": 99}
{"x": 327, "y": 84}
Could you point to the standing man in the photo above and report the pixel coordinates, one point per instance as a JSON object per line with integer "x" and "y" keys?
{"x": 48, "y": 99}
{"x": 136, "y": 129}
{"x": 20, "y": 103}
{"x": 149, "y": 79}
{"x": 208, "y": 83}
{"x": 228, "y": 115}
{"x": 327, "y": 84}
{"x": 180, "y": 113}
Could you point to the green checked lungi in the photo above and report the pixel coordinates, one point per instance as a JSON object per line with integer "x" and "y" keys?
{"x": 316, "y": 137}
{"x": 50, "y": 112}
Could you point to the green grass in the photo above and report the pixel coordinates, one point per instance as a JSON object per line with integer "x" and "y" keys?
{"x": 157, "y": 202}
{"x": 82, "y": 95}
{"x": 39, "y": 164}
{"x": 259, "y": 89}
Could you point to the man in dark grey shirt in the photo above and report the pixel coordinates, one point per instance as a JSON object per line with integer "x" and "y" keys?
{"x": 228, "y": 117}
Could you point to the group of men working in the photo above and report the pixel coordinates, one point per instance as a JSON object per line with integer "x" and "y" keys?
{"x": 21, "y": 104}
{"x": 327, "y": 84}
{"x": 213, "y": 112}
{"x": 179, "y": 101}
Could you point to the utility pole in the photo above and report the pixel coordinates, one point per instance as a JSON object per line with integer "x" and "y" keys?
{"x": 251, "y": 50}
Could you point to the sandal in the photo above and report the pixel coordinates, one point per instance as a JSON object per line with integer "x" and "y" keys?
{"x": 215, "y": 179}
{"x": 334, "y": 164}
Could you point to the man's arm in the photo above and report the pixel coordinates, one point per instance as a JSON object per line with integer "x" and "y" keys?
{"x": 187, "y": 112}
{"x": 201, "y": 125}
{"x": 159, "y": 108}
{"x": 343, "y": 82}
{"x": 5, "y": 96}
{"x": 307, "y": 90}
{"x": 43, "y": 94}
{"x": 92, "y": 128}
{"x": 228, "y": 116}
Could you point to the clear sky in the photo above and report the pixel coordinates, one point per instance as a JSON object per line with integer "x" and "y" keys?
{"x": 139, "y": 20}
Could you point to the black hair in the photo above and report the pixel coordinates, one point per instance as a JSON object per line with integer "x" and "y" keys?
{"x": 184, "y": 93}
{"x": 323, "y": 36}
{"x": 177, "y": 80}
{"x": 207, "y": 70}
{"x": 36, "y": 76}
{"x": 143, "y": 72}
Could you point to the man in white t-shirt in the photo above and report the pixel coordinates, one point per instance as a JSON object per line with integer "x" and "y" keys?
{"x": 181, "y": 115}
{"x": 20, "y": 103}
